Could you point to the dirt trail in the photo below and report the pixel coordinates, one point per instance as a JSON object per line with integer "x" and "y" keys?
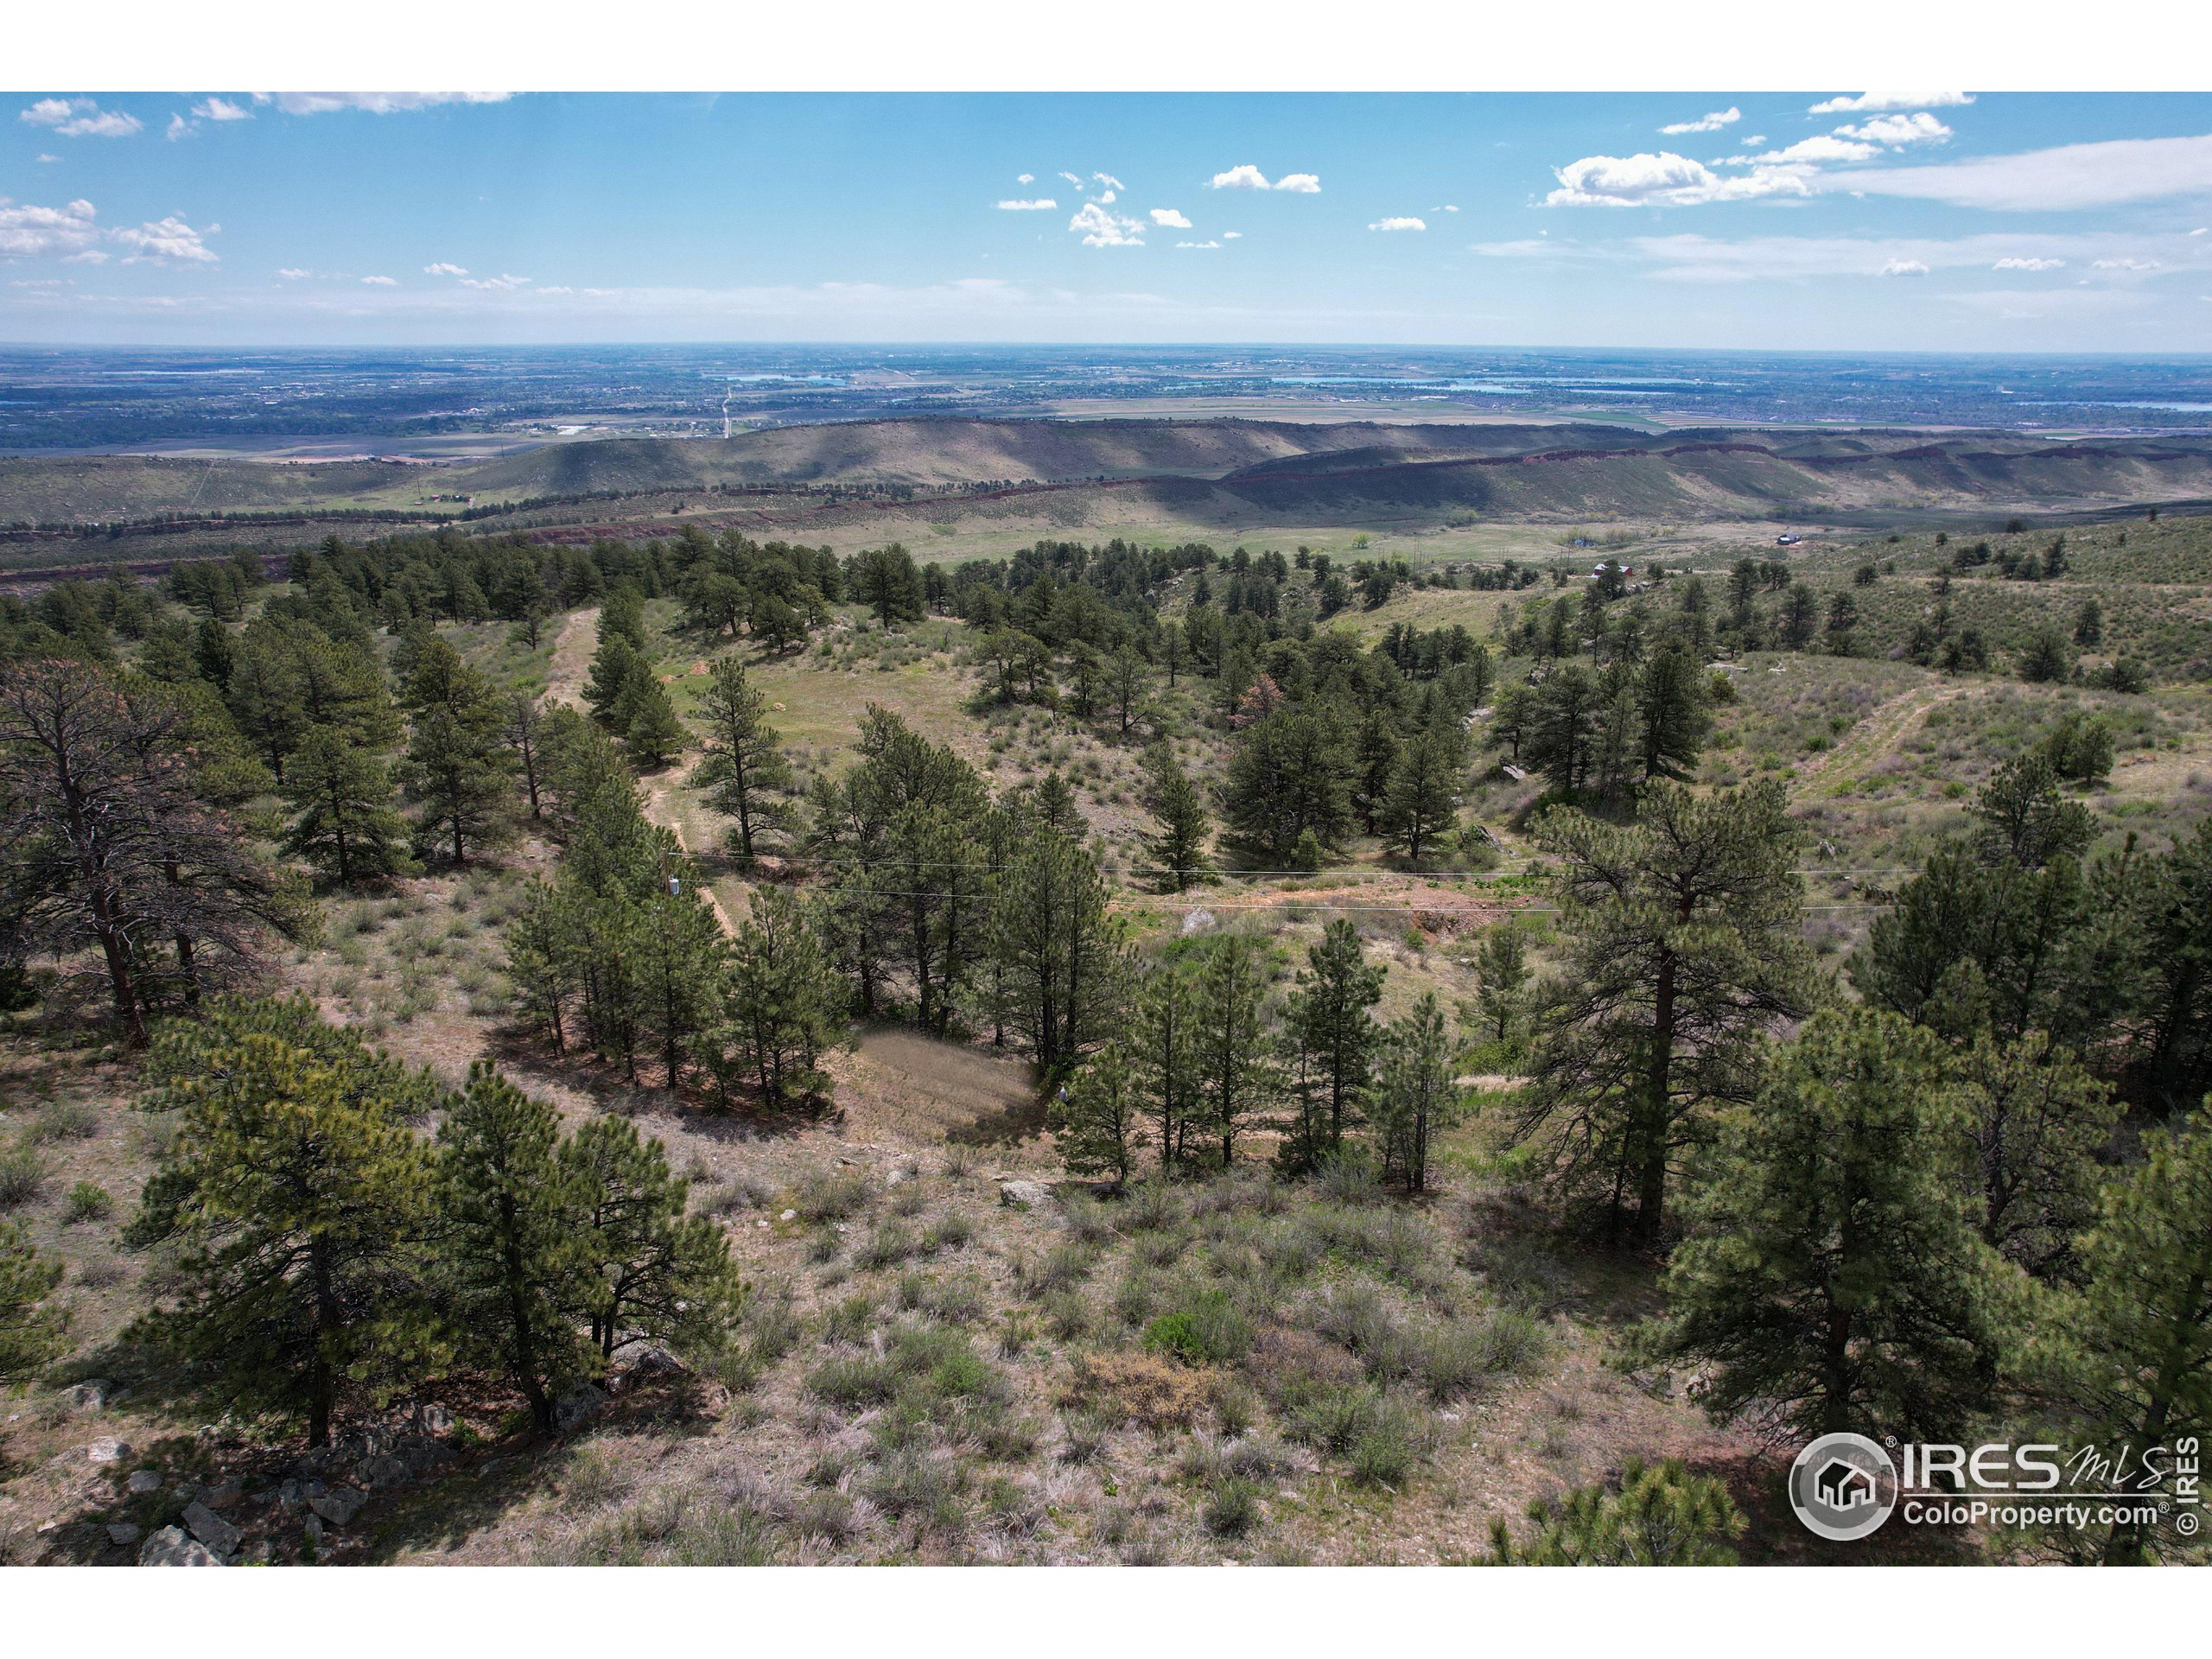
{"x": 572, "y": 654}
{"x": 564, "y": 684}
{"x": 660, "y": 809}
{"x": 1877, "y": 735}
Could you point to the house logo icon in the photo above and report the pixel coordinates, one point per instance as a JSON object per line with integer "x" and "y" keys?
{"x": 1843, "y": 1487}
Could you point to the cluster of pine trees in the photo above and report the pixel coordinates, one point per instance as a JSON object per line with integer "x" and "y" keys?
{"x": 1206, "y": 1054}
{"x": 622, "y": 954}
{"x": 1914, "y": 1212}
{"x": 327, "y": 1253}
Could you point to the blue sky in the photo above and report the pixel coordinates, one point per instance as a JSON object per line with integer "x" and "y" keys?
{"x": 1817, "y": 219}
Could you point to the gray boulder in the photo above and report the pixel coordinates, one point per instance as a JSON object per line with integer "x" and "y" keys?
{"x": 210, "y": 1530}
{"x": 382, "y": 1473}
{"x": 339, "y": 1505}
{"x": 92, "y": 1394}
{"x": 1024, "y": 1195}
{"x": 108, "y": 1450}
{"x": 124, "y": 1532}
{"x": 173, "y": 1547}
{"x": 143, "y": 1481}
{"x": 576, "y": 1406}
{"x": 223, "y": 1495}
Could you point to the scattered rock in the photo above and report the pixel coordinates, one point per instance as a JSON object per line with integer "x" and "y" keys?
{"x": 108, "y": 1450}
{"x": 1197, "y": 921}
{"x": 222, "y": 1495}
{"x": 434, "y": 1420}
{"x": 210, "y": 1530}
{"x": 92, "y": 1394}
{"x": 382, "y": 1473}
{"x": 896, "y": 1178}
{"x": 124, "y": 1532}
{"x": 1024, "y": 1195}
{"x": 788, "y": 1215}
{"x": 648, "y": 1360}
{"x": 575, "y": 1407}
{"x": 339, "y": 1505}
{"x": 314, "y": 1530}
{"x": 172, "y": 1547}
{"x": 143, "y": 1481}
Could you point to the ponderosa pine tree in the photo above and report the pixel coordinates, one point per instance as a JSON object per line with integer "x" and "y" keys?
{"x": 343, "y": 823}
{"x": 525, "y": 734}
{"x": 509, "y": 1263}
{"x": 1831, "y": 1276}
{"x": 1052, "y": 939}
{"x": 1503, "y": 975}
{"x": 1673, "y": 715}
{"x": 779, "y": 1001}
{"x": 1235, "y": 1073}
{"x": 1097, "y": 1120}
{"x": 1331, "y": 1017}
{"x": 2129, "y": 1358}
{"x": 1414, "y": 1099}
{"x": 295, "y": 1199}
{"x": 744, "y": 761}
{"x": 1291, "y": 773}
{"x": 651, "y": 1273}
{"x": 884, "y": 580}
{"x": 1662, "y": 1515}
{"x": 1682, "y": 953}
{"x": 1421, "y": 806}
{"x": 615, "y": 666}
{"x": 1164, "y": 1059}
{"x": 1179, "y": 849}
{"x": 646, "y": 715}
{"x": 2032, "y": 1126}
{"x": 110, "y": 807}
{"x": 457, "y": 770}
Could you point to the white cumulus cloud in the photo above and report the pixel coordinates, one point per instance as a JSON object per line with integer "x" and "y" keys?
{"x": 380, "y": 282}
{"x": 80, "y": 117}
{"x": 1249, "y": 177}
{"x": 1711, "y": 123}
{"x": 1895, "y": 129}
{"x": 293, "y": 273}
{"x": 2016, "y": 263}
{"x": 1811, "y": 152}
{"x": 496, "y": 285}
{"x": 1170, "y": 218}
{"x": 1038, "y": 206}
{"x": 165, "y": 241}
{"x": 221, "y": 108}
{"x": 1400, "y": 222}
{"x": 1892, "y": 101}
{"x": 1197, "y": 245}
{"x": 1905, "y": 268}
{"x": 445, "y": 267}
{"x": 1103, "y": 228}
{"x": 2126, "y": 265}
{"x": 1026, "y": 178}
{"x": 27, "y": 232}
{"x": 1667, "y": 180}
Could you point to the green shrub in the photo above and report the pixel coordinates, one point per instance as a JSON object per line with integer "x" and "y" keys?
{"x": 1232, "y": 1508}
{"x": 1208, "y": 1329}
{"x": 87, "y": 1201}
{"x": 66, "y": 1120}
{"x": 21, "y": 1175}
